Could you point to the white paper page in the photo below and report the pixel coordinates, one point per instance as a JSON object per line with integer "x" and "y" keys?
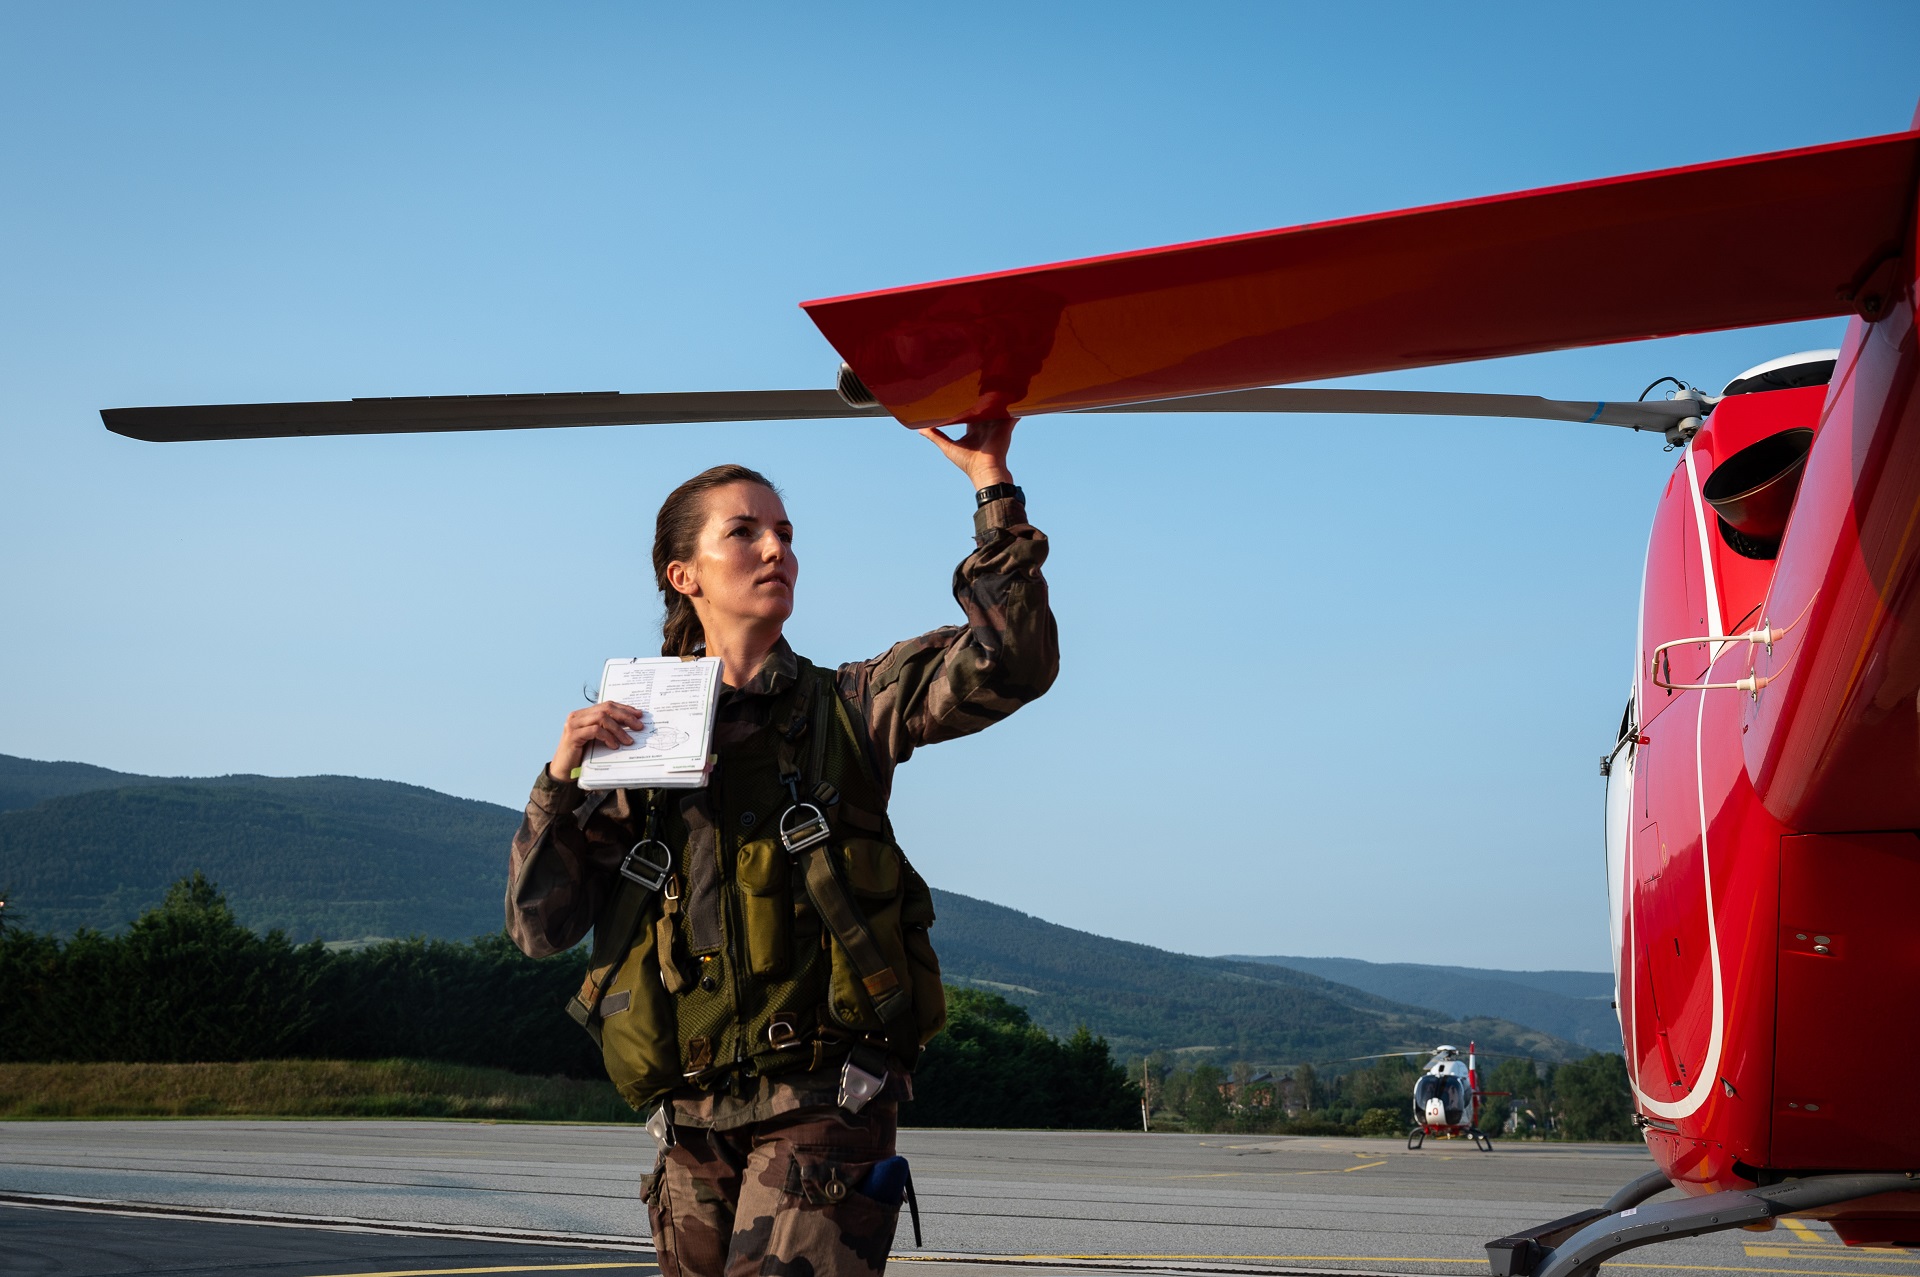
{"x": 677, "y": 698}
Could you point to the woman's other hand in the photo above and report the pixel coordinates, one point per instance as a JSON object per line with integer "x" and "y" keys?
{"x": 981, "y": 451}
{"x": 609, "y": 723}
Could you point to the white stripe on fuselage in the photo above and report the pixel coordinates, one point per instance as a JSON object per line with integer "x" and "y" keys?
{"x": 1690, "y": 1103}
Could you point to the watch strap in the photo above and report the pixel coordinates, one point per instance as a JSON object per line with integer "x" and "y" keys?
{"x": 995, "y": 491}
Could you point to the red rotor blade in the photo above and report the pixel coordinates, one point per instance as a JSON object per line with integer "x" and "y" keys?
{"x": 1761, "y": 240}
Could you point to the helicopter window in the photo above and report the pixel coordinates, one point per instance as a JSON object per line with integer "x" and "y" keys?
{"x": 1450, "y": 1091}
{"x": 1815, "y": 372}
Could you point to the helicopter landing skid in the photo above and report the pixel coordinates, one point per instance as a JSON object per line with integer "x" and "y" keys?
{"x": 1576, "y": 1245}
{"x": 1418, "y": 1136}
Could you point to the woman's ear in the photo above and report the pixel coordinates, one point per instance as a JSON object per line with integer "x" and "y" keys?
{"x": 682, "y": 579}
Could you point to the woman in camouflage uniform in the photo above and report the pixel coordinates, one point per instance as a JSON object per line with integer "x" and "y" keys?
{"x": 762, "y": 1167}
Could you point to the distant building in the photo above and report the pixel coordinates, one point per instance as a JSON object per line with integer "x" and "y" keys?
{"x": 1257, "y": 1092}
{"x": 1290, "y": 1096}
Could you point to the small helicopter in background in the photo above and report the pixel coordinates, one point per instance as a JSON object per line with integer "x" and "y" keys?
{"x": 1447, "y": 1095}
{"x": 1447, "y": 1099}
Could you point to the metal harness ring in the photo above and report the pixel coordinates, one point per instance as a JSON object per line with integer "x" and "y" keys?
{"x": 649, "y": 873}
{"x": 809, "y": 831}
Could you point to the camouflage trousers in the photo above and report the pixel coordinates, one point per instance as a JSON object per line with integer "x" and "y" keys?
{"x": 774, "y": 1199}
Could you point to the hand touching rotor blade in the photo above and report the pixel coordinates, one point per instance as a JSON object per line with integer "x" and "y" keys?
{"x": 433, "y": 413}
{"x": 1657, "y": 416}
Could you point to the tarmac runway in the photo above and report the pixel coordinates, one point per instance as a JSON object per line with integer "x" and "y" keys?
{"x": 525, "y": 1198}
{"x": 36, "y": 1241}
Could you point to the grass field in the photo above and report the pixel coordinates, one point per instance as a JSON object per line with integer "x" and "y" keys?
{"x": 302, "y": 1088}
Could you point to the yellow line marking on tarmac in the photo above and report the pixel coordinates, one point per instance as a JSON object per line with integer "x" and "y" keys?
{"x": 504, "y": 1268}
{"x": 1788, "y": 1252}
{"x": 1335, "y": 1170}
{"x": 1250, "y": 1259}
{"x": 1728, "y": 1268}
{"x": 1801, "y": 1231}
{"x": 1373, "y": 1259}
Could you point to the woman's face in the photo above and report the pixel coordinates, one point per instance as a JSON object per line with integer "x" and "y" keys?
{"x": 743, "y": 567}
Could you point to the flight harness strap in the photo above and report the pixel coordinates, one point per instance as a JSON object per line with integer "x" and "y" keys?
{"x": 645, "y": 868}
{"x": 805, "y": 834}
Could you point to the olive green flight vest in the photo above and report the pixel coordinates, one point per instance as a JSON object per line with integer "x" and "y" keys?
{"x": 749, "y": 959}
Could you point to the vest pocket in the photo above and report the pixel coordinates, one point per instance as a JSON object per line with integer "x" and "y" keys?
{"x": 873, "y": 872}
{"x": 872, "y": 868}
{"x": 639, "y": 1040}
{"x": 766, "y": 899}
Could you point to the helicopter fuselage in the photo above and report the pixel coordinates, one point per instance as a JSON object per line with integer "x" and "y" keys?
{"x": 1762, "y": 859}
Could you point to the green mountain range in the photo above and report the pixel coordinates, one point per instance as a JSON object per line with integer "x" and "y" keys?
{"x": 325, "y": 857}
{"x": 1575, "y": 1005}
{"x": 336, "y": 857}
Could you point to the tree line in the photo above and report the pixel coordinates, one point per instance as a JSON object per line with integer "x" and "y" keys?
{"x": 1587, "y": 1099}
{"x": 187, "y": 982}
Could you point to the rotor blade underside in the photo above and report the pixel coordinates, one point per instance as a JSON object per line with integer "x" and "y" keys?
{"x": 1759, "y": 240}
{"x": 1658, "y": 415}
{"x": 448, "y": 413}
{"x": 433, "y": 413}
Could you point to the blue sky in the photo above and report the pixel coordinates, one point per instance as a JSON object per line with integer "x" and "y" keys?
{"x": 1410, "y": 638}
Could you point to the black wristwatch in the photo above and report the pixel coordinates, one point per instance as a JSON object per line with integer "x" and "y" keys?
{"x": 994, "y": 491}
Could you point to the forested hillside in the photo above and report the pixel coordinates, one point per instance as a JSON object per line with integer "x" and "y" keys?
{"x": 27, "y": 781}
{"x": 339, "y": 858}
{"x": 319, "y": 857}
{"x": 1146, "y": 999}
{"x": 1575, "y": 1005}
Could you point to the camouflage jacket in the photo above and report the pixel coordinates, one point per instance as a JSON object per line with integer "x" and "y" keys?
{"x": 947, "y": 683}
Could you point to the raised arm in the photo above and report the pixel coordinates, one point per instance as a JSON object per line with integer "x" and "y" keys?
{"x": 958, "y": 679}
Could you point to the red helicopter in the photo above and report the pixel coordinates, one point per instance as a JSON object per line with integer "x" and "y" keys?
{"x": 1763, "y": 795}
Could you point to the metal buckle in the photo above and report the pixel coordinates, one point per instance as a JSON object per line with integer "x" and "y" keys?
{"x": 809, "y": 831}
{"x": 781, "y": 1033}
{"x": 650, "y": 874}
{"x": 660, "y": 1126}
{"x": 857, "y": 1086}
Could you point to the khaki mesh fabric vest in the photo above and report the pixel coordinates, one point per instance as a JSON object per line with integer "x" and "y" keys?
{"x": 730, "y": 968}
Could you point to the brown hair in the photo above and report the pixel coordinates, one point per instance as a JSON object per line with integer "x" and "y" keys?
{"x": 676, "y": 534}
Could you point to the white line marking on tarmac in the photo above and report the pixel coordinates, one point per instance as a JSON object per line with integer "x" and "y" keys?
{"x": 507, "y": 1268}
{"x": 331, "y": 1223}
